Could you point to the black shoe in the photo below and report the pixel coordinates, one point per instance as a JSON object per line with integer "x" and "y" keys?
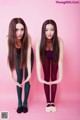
{"x": 19, "y": 109}
{"x": 25, "y": 109}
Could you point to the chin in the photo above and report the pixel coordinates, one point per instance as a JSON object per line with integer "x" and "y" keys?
{"x": 19, "y": 38}
{"x": 49, "y": 38}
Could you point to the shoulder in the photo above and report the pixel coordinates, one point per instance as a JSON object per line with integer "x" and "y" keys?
{"x": 29, "y": 40}
{"x": 61, "y": 44}
{"x": 6, "y": 38}
{"x": 37, "y": 43}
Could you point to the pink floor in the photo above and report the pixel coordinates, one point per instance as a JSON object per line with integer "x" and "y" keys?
{"x": 66, "y": 110}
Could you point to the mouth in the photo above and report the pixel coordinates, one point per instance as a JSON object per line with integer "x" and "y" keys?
{"x": 19, "y": 36}
{"x": 49, "y": 36}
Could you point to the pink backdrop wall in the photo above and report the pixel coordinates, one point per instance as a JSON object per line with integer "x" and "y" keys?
{"x": 34, "y": 13}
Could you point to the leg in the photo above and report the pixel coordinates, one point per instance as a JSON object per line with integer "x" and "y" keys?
{"x": 27, "y": 85}
{"x": 54, "y": 68}
{"x": 26, "y": 89}
{"x": 19, "y": 73}
{"x": 19, "y": 90}
{"x": 46, "y": 70}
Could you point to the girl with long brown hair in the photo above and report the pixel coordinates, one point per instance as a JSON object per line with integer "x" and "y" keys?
{"x": 49, "y": 52}
{"x": 20, "y": 58}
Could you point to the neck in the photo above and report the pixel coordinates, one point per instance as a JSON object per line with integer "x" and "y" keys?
{"x": 18, "y": 43}
{"x": 18, "y": 40}
{"x": 49, "y": 41}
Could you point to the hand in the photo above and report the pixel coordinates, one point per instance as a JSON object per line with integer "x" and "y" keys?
{"x": 55, "y": 81}
{"x": 23, "y": 83}
{"x": 44, "y": 82}
{"x": 47, "y": 83}
{"x": 51, "y": 82}
{"x": 18, "y": 84}
{"x": 14, "y": 80}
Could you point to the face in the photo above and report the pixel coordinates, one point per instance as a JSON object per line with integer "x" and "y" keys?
{"x": 49, "y": 32}
{"x": 19, "y": 31}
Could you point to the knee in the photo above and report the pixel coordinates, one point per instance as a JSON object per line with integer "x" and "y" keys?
{"x": 27, "y": 85}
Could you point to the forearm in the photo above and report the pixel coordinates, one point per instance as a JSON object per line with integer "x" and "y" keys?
{"x": 38, "y": 65}
{"x": 12, "y": 78}
{"x": 29, "y": 60}
{"x": 28, "y": 78}
{"x": 38, "y": 70}
{"x": 41, "y": 80}
{"x": 60, "y": 73}
{"x": 29, "y": 70}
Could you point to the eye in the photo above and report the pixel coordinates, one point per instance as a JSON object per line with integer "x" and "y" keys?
{"x": 46, "y": 30}
{"x": 16, "y": 29}
{"x": 52, "y": 29}
{"x": 22, "y": 29}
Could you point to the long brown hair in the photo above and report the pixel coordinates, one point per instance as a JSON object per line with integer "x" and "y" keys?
{"x": 55, "y": 41}
{"x": 12, "y": 40}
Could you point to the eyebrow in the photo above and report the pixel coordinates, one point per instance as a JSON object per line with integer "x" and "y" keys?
{"x": 50, "y": 28}
{"x": 18, "y": 28}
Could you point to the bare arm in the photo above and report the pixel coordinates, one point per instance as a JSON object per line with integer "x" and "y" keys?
{"x": 38, "y": 64}
{"x": 11, "y": 72}
{"x": 60, "y": 63}
{"x": 12, "y": 78}
{"x": 28, "y": 61}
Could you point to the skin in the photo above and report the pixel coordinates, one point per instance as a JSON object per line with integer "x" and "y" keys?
{"x": 49, "y": 32}
{"x": 19, "y": 35}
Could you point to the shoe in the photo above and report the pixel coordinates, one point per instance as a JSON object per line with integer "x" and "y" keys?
{"x": 53, "y": 108}
{"x": 19, "y": 109}
{"x": 25, "y": 109}
{"x": 48, "y": 108}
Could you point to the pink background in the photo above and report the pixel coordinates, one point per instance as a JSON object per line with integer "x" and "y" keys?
{"x": 34, "y": 13}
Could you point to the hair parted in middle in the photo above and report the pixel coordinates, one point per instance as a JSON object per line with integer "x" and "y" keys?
{"x": 55, "y": 41}
{"x": 12, "y": 41}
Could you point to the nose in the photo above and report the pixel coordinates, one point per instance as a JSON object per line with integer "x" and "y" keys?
{"x": 19, "y": 32}
{"x": 49, "y": 32}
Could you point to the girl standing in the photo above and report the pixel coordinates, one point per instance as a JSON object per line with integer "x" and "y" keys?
{"x": 49, "y": 52}
{"x": 20, "y": 57}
